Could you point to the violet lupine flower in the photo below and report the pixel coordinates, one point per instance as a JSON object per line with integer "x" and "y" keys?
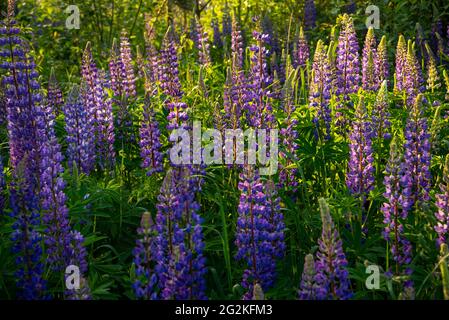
{"x": 395, "y": 211}
{"x": 236, "y": 46}
{"x": 54, "y": 96}
{"x": 287, "y": 176}
{"x": 150, "y": 141}
{"x": 348, "y": 67}
{"x": 308, "y": 288}
{"x": 413, "y": 75}
{"x": 380, "y": 117}
{"x": 369, "y": 61}
{"x": 442, "y": 202}
{"x": 401, "y": 62}
{"x": 99, "y": 108}
{"x": 302, "y": 52}
{"x": 417, "y": 156}
{"x": 179, "y": 244}
{"x": 128, "y": 76}
{"x": 259, "y": 110}
{"x": 218, "y": 42}
{"x": 83, "y": 293}
{"x": 253, "y": 235}
{"x": 152, "y": 65}
{"x": 115, "y": 70}
{"x": 271, "y": 40}
{"x": 226, "y": 22}
{"x": 2, "y": 187}
{"x": 320, "y": 91}
{"x": 382, "y": 66}
{"x": 194, "y": 32}
{"x": 202, "y": 45}
{"x": 332, "y": 277}
{"x": 27, "y": 240}
{"x": 309, "y": 14}
{"x": 80, "y": 133}
{"x": 436, "y": 41}
{"x": 146, "y": 282}
{"x": 360, "y": 176}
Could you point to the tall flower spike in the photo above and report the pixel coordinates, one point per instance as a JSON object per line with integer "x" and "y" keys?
{"x": 401, "y": 61}
{"x": 380, "y": 117}
{"x": 348, "y": 67}
{"x": 99, "y": 108}
{"x": 360, "y": 177}
{"x": 203, "y": 45}
{"x": 80, "y": 133}
{"x": 2, "y": 187}
{"x": 180, "y": 263}
{"x": 332, "y": 277}
{"x": 289, "y": 134}
{"x": 433, "y": 79}
{"x": 309, "y": 14}
{"x": 258, "y": 108}
{"x": 417, "y": 156}
{"x": 302, "y": 53}
{"x": 369, "y": 61}
{"x": 146, "y": 278}
{"x": 413, "y": 75}
{"x": 128, "y": 75}
{"x": 253, "y": 235}
{"x": 54, "y": 93}
{"x": 442, "y": 203}
{"x": 321, "y": 90}
{"x": 307, "y": 288}
{"x": 382, "y": 66}
{"x": 150, "y": 141}
{"x": 22, "y": 106}
{"x": 395, "y": 211}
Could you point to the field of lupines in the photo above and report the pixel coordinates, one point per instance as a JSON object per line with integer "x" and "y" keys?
{"x": 357, "y": 208}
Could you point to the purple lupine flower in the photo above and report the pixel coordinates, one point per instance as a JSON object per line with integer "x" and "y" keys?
{"x": 271, "y": 40}
{"x": 202, "y": 45}
{"x": 218, "y": 42}
{"x": 115, "y": 70}
{"x": 80, "y": 133}
{"x": 2, "y": 187}
{"x": 22, "y": 106}
{"x": 83, "y": 293}
{"x": 226, "y": 22}
{"x": 382, "y": 66}
{"x": 369, "y": 61}
{"x": 436, "y": 40}
{"x": 54, "y": 95}
{"x": 253, "y": 236}
{"x": 146, "y": 278}
{"x": 442, "y": 202}
{"x": 193, "y": 32}
{"x": 360, "y": 176}
{"x": 332, "y": 277}
{"x": 348, "y": 67}
{"x": 150, "y": 141}
{"x": 380, "y": 117}
{"x": 152, "y": 65}
{"x": 417, "y": 156}
{"x": 128, "y": 76}
{"x": 259, "y": 110}
{"x": 236, "y": 46}
{"x": 413, "y": 78}
{"x": 395, "y": 211}
{"x": 302, "y": 52}
{"x": 308, "y": 288}
{"x": 309, "y": 14}
{"x": 99, "y": 108}
{"x": 289, "y": 134}
{"x": 180, "y": 263}
{"x": 27, "y": 240}
{"x": 320, "y": 91}
{"x": 401, "y": 62}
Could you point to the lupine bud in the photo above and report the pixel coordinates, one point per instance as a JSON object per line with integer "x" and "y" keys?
{"x": 382, "y": 66}
{"x": 308, "y": 288}
{"x": 369, "y": 61}
{"x": 380, "y": 117}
